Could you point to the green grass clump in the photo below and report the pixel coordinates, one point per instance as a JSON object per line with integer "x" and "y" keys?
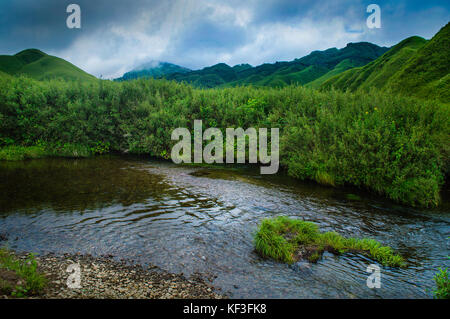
{"x": 30, "y": 282}
{"x": 442, "y": 290}
{"x": 287, "y": 240}
{"x": 18, "y": 153}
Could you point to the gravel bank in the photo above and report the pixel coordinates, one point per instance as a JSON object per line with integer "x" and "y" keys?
{"x": 105, "y": 278}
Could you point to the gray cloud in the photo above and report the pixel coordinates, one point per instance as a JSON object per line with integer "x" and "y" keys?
{"x": 118, "y": 35}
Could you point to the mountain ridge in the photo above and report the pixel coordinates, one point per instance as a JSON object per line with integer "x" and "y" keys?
{"x": 300, "y": 70}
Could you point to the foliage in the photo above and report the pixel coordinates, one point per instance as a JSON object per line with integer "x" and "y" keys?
{"x": 285, "y": 239}
{"x": 442, "y": 290}
{"x": 32, "y": 282}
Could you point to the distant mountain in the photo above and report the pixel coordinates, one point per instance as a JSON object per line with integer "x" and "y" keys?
{"x": 301, "y": 71}
{"x": 154, "y": 69}
{"x": 414, "y": 66}
{"x": 40, "y": 66}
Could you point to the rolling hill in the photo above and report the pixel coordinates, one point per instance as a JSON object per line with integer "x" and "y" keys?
{"x": 311, "y": 67}
{"x": 302, "y": 71}
{"x": 40, "y": 66}
{"x": 153, "y": 69}
{"x": 414, "y": 66}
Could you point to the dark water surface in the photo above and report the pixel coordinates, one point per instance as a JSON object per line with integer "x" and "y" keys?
{"x": 190, "y": 219}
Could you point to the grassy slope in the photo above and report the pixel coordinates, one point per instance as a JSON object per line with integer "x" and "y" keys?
{"x": 413, "y": 67}
{"x": 40, "y": 66}
{"x": 427, "y": 72}
{"x": 341, "y": 67}
{"x": 378, "y": 72}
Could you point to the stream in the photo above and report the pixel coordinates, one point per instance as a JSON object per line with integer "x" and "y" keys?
{"x": 202, "y": 219}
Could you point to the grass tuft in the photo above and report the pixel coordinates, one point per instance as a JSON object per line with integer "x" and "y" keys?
{"x": 19, "y": 278}
{"x": 442, "y": 290}
{"x": 287, "y": 240}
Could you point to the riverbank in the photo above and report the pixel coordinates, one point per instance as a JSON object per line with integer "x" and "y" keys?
{"x": 392, "y": 145}
{"x": 105, "y": 278}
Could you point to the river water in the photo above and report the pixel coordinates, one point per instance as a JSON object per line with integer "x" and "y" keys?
{"x": 195, "y": 219}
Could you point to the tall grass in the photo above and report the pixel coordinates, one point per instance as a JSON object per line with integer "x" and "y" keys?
{"x": 395, "y": 146}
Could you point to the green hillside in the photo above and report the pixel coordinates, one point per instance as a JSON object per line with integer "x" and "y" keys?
{"x": 430, "y": 68}
{"x": 415, "y": 66}
{"x": 343, "y": 66}
{"x": 376, "y": 73}
{"x": 40, "y": 66}
{"x": 299, "y": 71}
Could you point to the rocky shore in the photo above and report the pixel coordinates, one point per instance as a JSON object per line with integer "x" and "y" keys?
{"x": 105, "y": 278}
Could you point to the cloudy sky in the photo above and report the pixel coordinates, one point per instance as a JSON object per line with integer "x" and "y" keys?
{"x": 117, "y": 36}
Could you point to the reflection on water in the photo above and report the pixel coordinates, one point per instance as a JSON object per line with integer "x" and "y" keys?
{"x": 187, "y": 219}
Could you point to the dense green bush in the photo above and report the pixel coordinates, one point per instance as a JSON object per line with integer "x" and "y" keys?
{"x": 396, "y": 146}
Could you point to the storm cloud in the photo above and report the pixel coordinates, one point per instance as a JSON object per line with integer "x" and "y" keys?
{"x": 118, "y": 35}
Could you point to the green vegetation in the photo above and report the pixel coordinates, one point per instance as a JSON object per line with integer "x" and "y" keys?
{"x": 19, "y": 152}
{"x": 377, "y": 73}
{"x": 288, "y": 240}
{"x": 396, "y": 146}
{"x": 412, "y": 67}
{"x": 300, "y": 71}
{"x": 40, "y": 66}
{"x": 19, "y": 278}
{"x": 426, "y": 74}
{"x": 343, "y": 66}
{"x": 442, "y": 290}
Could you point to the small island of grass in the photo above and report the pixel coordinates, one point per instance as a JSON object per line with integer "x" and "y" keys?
{"x": 288, "y": 240}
